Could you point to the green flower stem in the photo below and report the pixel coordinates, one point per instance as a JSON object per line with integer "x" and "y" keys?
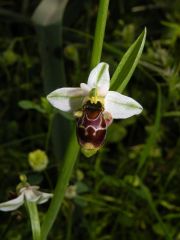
{"x": 34, "y": 218}
{"x": 62, "y": 182}
{"x": 99, "y": 32}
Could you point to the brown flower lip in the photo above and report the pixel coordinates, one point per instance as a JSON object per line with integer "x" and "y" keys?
{"x": 91, "y": 126}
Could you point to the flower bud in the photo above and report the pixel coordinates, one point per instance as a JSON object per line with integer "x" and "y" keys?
{"x": 38, "y": 160}
{"x": 71, "y": 192}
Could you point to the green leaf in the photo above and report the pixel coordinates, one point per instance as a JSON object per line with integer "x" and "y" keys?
{"x": 128, "y": 64}
{"x": 157, "y": 228}
{"x": 81, "y": 187}
{"x": 172, "y": 114}
{"x": 26, "y": 104}
{"x": 47, "y": 19}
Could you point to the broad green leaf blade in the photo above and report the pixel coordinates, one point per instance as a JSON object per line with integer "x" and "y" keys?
{"x": 128, "y": 64}
{"x": 47, "y": 19}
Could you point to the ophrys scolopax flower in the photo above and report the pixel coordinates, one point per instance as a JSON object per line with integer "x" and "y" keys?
{"x": 94, "y": 106}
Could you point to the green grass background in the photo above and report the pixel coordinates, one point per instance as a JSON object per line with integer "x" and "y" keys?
{"x": 130, "y": 189}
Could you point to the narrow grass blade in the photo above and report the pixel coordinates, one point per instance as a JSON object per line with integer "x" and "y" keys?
{"x": 99, "y": 32}
{"x": 153, "y": 135}
{"x": 149, "y": 198}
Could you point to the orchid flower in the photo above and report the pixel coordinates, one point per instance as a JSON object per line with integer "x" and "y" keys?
{"x": 97, "y": 105}
{"x": 26, "y": 193}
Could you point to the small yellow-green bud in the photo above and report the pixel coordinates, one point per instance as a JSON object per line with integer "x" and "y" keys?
{"x": 23, "y": 178}
{"x": 71, "y": 53}
{"x": 23, "y": 183}
{"x": 10, "y": 57}
{"x": 71, "y": 192}
{"x": 79, "y": 175}
{"x": 38, "y": 160}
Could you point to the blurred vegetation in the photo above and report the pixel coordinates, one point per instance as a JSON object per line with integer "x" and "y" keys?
{"x": 130, "y": 189}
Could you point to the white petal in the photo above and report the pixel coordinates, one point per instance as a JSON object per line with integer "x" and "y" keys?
{"x": 23, "y": 189}
{"x": 121, "y": 106}
{"x": 44, "y": 197}
{"x": 85, "y": 87}
{"x": 99, "y": 78}
{"x": 67, "y": 99}
{"x": 12, "y": 204}
{"x": 32, "y": 195}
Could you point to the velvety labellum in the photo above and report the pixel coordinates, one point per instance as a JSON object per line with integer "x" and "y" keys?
{"x": 91, "y": 126}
